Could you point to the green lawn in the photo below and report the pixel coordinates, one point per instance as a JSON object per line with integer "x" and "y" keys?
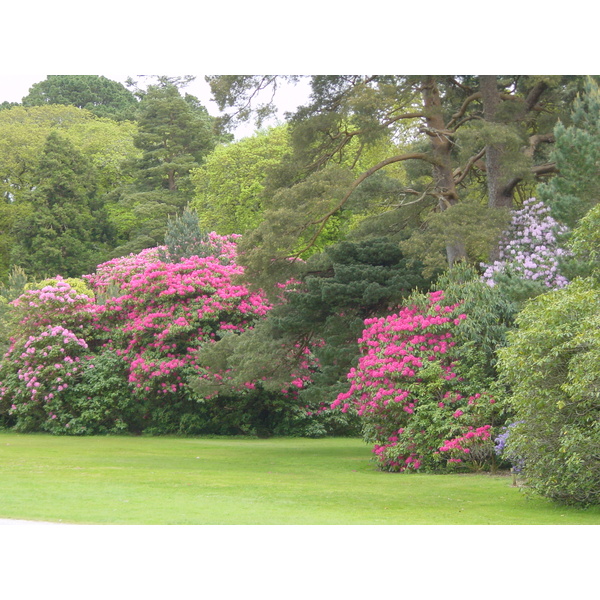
{"x": 166, "y": 480}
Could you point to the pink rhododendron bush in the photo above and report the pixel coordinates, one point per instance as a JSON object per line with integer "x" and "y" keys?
{"x": 419, "y": 396}
{"x": 121, "y": 360}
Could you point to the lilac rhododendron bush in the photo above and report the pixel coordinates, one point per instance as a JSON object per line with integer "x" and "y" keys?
{"x": 121, "y": 360}
{"x": 416, "y": 399}
{"x": 530, "y": 248}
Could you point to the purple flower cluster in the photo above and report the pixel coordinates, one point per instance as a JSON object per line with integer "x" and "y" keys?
{"x": 500, "y": 447}
{"x": 530, "y": 247}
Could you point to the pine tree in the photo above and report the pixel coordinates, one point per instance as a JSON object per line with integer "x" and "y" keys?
{"x": 576, "y": 189}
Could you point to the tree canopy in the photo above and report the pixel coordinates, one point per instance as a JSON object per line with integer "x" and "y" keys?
{"x": 463, "y": 138}
{"x": 100, "y": 95}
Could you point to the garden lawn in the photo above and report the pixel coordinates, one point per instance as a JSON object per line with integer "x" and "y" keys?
{"x": 223, "y": 481}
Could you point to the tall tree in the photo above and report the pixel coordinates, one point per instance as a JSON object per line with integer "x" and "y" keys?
{"x": 101, "y": 96}
{"x": 175, "y": 133}
{"x": 66, "y": 230}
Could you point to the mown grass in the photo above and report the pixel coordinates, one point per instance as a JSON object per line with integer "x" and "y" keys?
{"x": 185, "y": 481}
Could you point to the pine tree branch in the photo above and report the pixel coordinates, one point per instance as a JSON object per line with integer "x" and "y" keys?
{"x": 462, "y": 173}
{"x": 384, "y": 163}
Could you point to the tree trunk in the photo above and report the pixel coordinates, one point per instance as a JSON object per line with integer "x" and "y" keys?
{"x": 499, "y": 191}
{"x": 442, "y": 170}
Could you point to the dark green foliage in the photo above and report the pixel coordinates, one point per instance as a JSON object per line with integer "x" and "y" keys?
{"x": 324, "y": 314}
{"x": 67, "y": 229}
{"x": 99, "y": 95}
{"x": 99, "y": 403}
{"x": 174, "y": 135}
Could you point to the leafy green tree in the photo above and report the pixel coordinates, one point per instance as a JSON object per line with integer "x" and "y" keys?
{"x": 67, "y": 230}
{"x": 585, "y": 242}
{"x": 23, "y": 134}
{"x": 230, "y": 183}
{"x": 174, "y": 135}
{"x": 551, "y": 365}
{"x": 96, "y": 93}
{"x": 109, "y": 146}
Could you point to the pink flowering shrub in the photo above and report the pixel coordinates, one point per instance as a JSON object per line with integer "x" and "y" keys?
{"x": 37, "y": 371}
{"x": 409, "y": 387}
{"x": 163, "y": 312}
{"x": 474, "y": 447}
{"x": 53, "y": 352}
{"x": 141, "y": 333}
{"x": 54, "y": 304}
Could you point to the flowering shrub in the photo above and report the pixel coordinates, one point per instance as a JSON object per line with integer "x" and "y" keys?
{"x": 530, "y": 249}
{"x": 473, "y": 447}
{"x": 142, "y": 336}
{"x": 37, "y": 371}
{"x": 165, "y": 311}
{"x": 57, "y": 302}
{"x": 500, "y": 448}
{"x": 408, "y": 387}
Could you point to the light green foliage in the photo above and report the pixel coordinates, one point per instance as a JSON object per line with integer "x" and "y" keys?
{"x": 585, "y": 241}
{"x": 105, "y": 144}
{"x": 576, "y": 188}
{"x": 109, "y": 147}
{"x": 23, "y": 134}
{"x": 552, "y": 366}
{"x": 229, "y": 184}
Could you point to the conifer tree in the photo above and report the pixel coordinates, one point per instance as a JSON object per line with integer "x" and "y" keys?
{"x": 184, "y": 238}
{"x": 66, "y": 230}
{"x": 576, "y": 189}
